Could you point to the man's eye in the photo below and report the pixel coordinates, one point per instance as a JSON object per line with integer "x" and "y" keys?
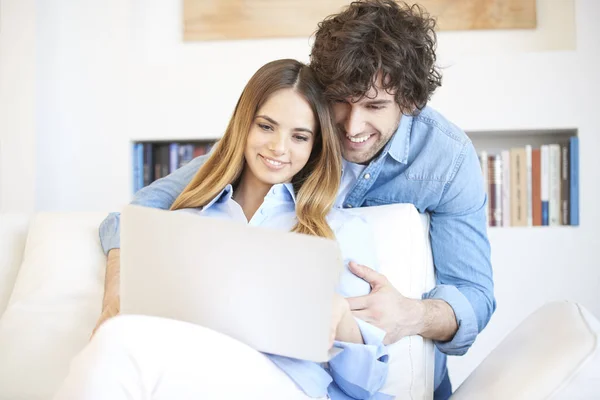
{"x": 339, "y": 101}
{"x": 375, "y": 107}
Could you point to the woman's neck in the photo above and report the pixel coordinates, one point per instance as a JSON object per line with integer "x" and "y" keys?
{"x": 250, "y": 194}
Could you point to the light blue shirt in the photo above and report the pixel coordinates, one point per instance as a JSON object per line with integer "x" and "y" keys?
{"x": 432, "y": 164}
{"x": 360, "y": 370}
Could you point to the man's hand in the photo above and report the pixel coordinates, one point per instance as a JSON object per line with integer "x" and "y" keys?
{"x": 385, "y": 307}
{"x": 400, "y": 316}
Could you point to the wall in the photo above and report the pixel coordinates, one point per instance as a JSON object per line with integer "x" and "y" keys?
{"x": 17, "y": 105}
{"x": 108, "y": 74}
{"x": 82, "y": 90}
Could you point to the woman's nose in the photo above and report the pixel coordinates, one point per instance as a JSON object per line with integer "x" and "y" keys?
{"x": 278, "y": 144}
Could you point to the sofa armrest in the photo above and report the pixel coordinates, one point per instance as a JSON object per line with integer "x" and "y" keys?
{"x": 553, "y": 353}
{"x": 13, "y": 235}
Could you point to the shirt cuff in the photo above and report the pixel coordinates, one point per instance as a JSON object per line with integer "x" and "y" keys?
{"x": 361, "y": 369}
{"x": 465, "y": 319}
{"x": 110, "y": 232}
{"x": 308, "y": 376}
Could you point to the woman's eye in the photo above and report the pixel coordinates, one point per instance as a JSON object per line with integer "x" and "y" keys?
{"x": 302, "y": 137}
{"x": 265, "y": 127}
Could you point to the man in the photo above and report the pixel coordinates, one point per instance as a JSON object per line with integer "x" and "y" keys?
{"x": 376, "y": 60}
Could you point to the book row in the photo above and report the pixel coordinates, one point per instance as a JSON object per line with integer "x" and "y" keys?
{"x": 152, "y": 161}
{"x": 533, "y": 186}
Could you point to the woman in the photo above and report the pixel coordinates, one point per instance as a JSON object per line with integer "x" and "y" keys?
{"x": 278, "y": 165}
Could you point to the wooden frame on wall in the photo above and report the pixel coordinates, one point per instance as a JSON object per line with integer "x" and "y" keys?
{"x": 252, "y": 19}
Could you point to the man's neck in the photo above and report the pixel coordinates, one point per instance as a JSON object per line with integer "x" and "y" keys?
{"x": 250, "y": 195}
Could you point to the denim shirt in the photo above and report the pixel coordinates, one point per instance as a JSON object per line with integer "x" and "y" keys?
{"x": 431, "y": 163}
{"x": 360, "y": 370}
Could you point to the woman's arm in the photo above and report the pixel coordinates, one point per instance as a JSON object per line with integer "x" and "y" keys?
{"x": 111, "y": 300}
{"x": 361, "y": 369}
{"x": 160, "y": 194}
{"x": 344, "y": 326}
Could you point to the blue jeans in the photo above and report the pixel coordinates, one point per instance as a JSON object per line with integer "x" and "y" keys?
{"x": 443, "y": 391}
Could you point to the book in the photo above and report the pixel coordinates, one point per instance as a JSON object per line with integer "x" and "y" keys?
{"x": 554, "y": 185}
{"x": 529, "y": 188}
{"x": 138, "y": 166}
{"x": 186, "y": 154}
{"x": 173, "y": 157}
{"x": 518, "y": 187}
{"x": 545, "y": 183}
{"x": 564, "y": 184}
{"x": 495, "y": 192}
{"x": 199, "y": 150}
{"x": 505, "y": 154}
{"x": 574, "y": 181}
{"x": 157, "y": 162}
{"x": 148, "y": 163}
{"x": 164, "y": 160}
{"x": 536, "y": 199}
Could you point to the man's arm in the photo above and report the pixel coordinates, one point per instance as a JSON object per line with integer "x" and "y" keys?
{"x": 160, "y": 194}
{"x": 462, "y": 302}
{"x": 462, "y": 255}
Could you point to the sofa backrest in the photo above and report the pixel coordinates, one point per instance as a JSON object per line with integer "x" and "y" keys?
{"x": 57, "y": 298}
{"x": 404, "y": 253}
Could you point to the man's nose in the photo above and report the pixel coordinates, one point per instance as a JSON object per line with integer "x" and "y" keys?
{"x": 354, "y": 123}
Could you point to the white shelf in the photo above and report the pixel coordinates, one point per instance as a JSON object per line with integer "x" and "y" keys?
{"x": 164, "y": 140}
{"x": 503, "y": 140}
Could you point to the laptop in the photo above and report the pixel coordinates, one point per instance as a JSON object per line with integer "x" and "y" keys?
{"x": 270, "y": 289}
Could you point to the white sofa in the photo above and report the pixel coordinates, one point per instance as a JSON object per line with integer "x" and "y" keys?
{"x": 52, "y": 274}
{"x": 51, "y": 282}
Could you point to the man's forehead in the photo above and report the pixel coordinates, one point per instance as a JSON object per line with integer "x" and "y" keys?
{"x": 375, "y": 92}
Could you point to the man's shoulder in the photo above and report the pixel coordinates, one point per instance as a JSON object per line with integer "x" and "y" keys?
{"x": 433, "y": 137}
{"x": 438, "y": 127}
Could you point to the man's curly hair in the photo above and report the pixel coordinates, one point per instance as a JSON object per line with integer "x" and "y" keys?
{"x": 372, "y": 36}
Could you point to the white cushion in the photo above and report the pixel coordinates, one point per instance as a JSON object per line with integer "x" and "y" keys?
{"x": 13, "y": 233}
{"x": 553, "y": 354}
{"x": 58, "y": 296}
{"x": 54, "y": 305}
{"x": 404, "y": 255}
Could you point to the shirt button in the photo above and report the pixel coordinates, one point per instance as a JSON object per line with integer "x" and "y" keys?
{"x": 367, "y": 176}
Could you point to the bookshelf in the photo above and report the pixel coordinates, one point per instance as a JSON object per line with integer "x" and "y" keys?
{"x": 543, "y": 194}
{"x": 156, "y": 159}
{"x": 531, "y": 176}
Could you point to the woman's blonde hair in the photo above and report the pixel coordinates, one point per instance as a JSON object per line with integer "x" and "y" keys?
{"x": 316, "y": 185}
